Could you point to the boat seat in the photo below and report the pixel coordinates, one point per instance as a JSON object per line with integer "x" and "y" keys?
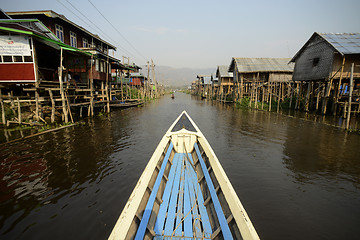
{"x": 182, "y": 213}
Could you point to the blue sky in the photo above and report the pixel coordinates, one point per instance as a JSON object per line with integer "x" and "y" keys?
{"x": 203, "y": 34}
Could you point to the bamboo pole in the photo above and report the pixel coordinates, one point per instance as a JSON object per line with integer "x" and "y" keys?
{"x": 307, "y": 97}
{"x": 91, "y": 107}
{"x": 2, "y": 109}
{"x": 68, "y": 108}
{"x": 278, "y": 97}
{"x": 37, "y": 83}
{"x": 107, "y": 85}
{"x": 270, "y": 96}
{"x": 337, "y": 96}
{"x": 52, "y": 106}
{"x": 350, "y": 96}
{"x": 60, "y": 71}
{"x": 19, "y": 110}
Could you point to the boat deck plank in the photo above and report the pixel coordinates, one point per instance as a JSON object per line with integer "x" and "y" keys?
{"x": 149, "y": 206}
{"x": 169, "y": 225}
{"x": 182, "y": 198}
{"x": 160, "y": 220}
{"x": 219, "y": 212}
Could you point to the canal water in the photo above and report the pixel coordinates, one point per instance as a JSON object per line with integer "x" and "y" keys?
{"x": 297, "y": 179}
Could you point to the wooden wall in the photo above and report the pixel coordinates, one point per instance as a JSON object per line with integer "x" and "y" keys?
{"x": 315, "y": 62}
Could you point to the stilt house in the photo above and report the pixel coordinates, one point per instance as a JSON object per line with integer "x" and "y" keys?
{"x": 259, "y": 77}
{"x": 324, "y": 65}
{"x": 77, "y": 37}
{"x": 225, "y": 82}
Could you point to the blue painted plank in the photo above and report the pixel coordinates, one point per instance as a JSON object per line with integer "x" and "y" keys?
{"x": 203, "y": 213}
{"x": 180, "y": 210}
{"x": 193, "y": 203}
{"x": 219, "y": 212}
{"x": 170, "y": 219}
{"x": 160, "y": 220}
{"x": 148, "y": 209}
{"x": 187, "y": 210}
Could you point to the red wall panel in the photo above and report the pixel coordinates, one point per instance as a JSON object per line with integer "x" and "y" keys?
{"x": 17, "y": 72}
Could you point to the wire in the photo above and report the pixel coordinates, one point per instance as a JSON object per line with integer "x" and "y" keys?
{"x": 117, "y": 30}
{"x": 99, "y": 29}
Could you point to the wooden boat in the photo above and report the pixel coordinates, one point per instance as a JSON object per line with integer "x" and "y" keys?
{"x": 183, "y": 193}
{"x": 120, "y": 104}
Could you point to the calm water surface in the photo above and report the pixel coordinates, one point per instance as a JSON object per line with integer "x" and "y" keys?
{"x": 297, "y": 179}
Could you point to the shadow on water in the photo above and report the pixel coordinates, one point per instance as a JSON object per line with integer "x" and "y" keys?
{"x": 297, "y": 179}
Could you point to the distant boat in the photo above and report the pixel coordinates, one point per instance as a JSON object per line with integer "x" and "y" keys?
{"x": 172, "y": 96}
{"x": 183, "y": 193}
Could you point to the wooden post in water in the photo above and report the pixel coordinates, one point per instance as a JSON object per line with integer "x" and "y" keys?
{"x": 19, "y": 110}
{"x": 91, "y": 112}
{"x": 350, "y": 95}
{"x": 270, "y": 96}
{"x": 37, "y": 83}
{"x": 278, "y": 97}
{"x": 107, "y": 85}
{"x": 2, "y": 109}
{"x": 52, "y": 106}
{"x": 337, "y": 94}
{"x": 307, "y": 97}
{"x": 60, "y": 72}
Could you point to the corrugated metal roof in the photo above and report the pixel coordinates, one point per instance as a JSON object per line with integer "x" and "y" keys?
{"x": 344, "y": 43}
{"x": 52, "y": 14}
{"x": 248, "y": 65}
{"x": 222, "y": 71}
{"x": 207, "y": 80}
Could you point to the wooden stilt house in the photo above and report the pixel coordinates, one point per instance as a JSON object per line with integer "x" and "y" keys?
{"x": 323, "y": 66}
{"x": 225, "y": 83}
{"x": 261, "y": 79}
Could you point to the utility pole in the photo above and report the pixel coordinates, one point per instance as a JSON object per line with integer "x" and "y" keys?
{"x": 148, "y": 78}
{"x": 153, "y": 74}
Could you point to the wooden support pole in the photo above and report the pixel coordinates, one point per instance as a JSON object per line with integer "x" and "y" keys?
{"x": 91, "y": 107}
{"x": 278, "y": 98}
{"x": 2, "y": 109}
{"x": 52, "y": 106}
{"x": 68, "y": 108}
{"x": 291, "y": 95}
{"x": 62, "y": 92}
{"x": 307, "y": 97}
{"x": 19, "y": 110}
{"x": 270, "y": 96}
{"x": 338, "y": 87}
{"x": 350, "y": 96}
{"x": 297, "y": 105}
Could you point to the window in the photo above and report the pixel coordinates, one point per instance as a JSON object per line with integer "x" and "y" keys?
{"x": 7, "y": 58}
{"x": 85, "y": 43}
{"x": 18, "y": 59}
{"x": 28, "y": 59}
{"x": 102, "y": 66}
{"x": 97, "y": 65}
{"x": 316, "y": 61}
{"x": 59, "y": 32}
{"x": 73, "y": 39}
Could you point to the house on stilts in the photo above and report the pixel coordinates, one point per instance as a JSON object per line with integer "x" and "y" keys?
{"x": 51, "y": 66}
{"x": 325, "y": 66}
{"x": 226, "y": 83}
{"x": 261, "y": 79}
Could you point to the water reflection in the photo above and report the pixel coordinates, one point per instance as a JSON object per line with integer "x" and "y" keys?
{"x": 315, "y": 150}
{"x": 295, "y": 177}
{"x": 45, "y": 170}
